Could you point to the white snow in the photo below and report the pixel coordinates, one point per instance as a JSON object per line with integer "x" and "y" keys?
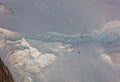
{"x": 24, "y": 57}
{"x": 4, "y": 33}
{"x": 107, "y": 58}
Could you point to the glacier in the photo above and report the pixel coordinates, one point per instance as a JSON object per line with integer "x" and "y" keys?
{"x": 107, "y": 36}
{"x": 56, "y": 57}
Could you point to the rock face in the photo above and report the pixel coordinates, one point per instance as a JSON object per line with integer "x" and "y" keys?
{"x": 4, "y": 9}
{"x": 5, "y": 75}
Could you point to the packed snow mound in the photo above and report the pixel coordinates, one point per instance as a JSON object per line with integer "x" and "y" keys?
{"x": 112, "y": 24}
{"x": 107, "y": 59}
{"x": 21, "y": 58}
{"x": 6, "y": 33}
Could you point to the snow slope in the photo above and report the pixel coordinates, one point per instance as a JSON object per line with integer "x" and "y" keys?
{"x": 55, "y": 57}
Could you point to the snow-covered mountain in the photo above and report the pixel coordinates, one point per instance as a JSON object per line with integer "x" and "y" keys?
{"x": 23, "y": 60}
{"x": 20, "y": 57}
{"x": 55, "y": 57}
